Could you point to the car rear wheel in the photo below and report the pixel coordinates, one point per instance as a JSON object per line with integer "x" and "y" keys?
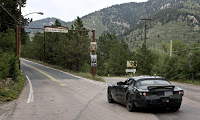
{"x": 129, "y": 103}
{"x": 109, "y": 96}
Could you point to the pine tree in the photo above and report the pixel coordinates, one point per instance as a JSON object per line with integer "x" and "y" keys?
{"x": 145, "y": 60}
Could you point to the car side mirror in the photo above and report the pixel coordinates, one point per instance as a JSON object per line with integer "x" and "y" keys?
{"x": 120, "y": 83}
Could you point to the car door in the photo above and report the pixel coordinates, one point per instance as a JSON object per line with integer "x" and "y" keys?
{"x": 118, "y": 91}
{"x": 114, "y": 92}
{"x": 123, "y": 90}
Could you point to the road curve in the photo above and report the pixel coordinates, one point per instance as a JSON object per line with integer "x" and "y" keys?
{"x": 57, "y": 95}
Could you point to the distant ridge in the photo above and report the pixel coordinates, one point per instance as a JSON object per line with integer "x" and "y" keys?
{"x": 43, "y": 22}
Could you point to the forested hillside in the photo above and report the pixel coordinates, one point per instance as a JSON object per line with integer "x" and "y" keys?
{"x": 120, "y": 37}
{"x": 180, "y": 22}
{"x": 122, "y": 18}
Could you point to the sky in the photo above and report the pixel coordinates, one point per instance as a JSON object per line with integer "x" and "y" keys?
{"x": 67, "y": 10}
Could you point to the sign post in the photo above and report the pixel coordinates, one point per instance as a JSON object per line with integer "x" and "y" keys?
{"x": 93, "y": 68}
{"x": 93, "y": 43}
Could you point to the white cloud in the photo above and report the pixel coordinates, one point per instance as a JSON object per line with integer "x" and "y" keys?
{"x": 68, "y": 10}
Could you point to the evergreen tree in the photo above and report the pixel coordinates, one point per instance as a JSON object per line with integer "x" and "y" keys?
{"x": 81, "y": 44}
{"x": 112, "y": 55}
{"x": 145, "y": 60}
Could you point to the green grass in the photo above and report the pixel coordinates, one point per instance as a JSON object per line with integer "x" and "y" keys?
{"x": 89, "y": 75}
{"x": 85, "y": 75}
{"x": 13, "y": 90}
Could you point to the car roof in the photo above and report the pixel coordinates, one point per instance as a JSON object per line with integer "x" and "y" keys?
{"x": 136, "y": 78}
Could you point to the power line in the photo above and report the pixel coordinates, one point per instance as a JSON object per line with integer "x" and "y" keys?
{"x": 10, "y": 14}
{"x": 7, "y": 23}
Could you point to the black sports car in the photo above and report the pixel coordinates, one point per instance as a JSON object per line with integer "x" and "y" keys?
{"x": 146, "y": 92}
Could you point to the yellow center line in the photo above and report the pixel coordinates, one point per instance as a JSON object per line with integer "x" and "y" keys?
{"x": 53, "y": 79}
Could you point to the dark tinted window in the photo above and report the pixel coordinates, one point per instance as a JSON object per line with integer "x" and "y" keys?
{"x": 152, "y": 82}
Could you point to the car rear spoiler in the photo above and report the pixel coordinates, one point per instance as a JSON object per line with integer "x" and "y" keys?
{"x": 160, "y": 87}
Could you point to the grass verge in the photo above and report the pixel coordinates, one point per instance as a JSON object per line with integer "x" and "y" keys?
{"x": 88, "y": 75}
{"x": 13, "y": 90}
{"x": 85, "y": 75}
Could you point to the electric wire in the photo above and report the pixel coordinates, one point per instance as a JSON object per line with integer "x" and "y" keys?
{"x": 8, "y": 23}
{"x": 10, "y": 14}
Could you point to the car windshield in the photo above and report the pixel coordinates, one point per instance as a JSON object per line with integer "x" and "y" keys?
{"x": 152, "y": 82}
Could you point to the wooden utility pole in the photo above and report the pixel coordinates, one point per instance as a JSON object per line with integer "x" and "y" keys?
{"x": 17, "y": 44}
{"x": 19, "y": 30}
{"x": 145, "y": 29}
{"x": 170, "y": 54}
{"x": 93, "y": 53}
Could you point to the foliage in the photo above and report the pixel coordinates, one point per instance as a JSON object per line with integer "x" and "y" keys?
{"x": 9, "y": 67}
{"x": 13, "y": 89}
{"x": 171, "y": 20}
{"x": 6, "y": 21}
{"x": 145, "y": 60}
{"x": 67, "y": 50}
{"x": 8, "y": 61}
{"x": 112, "y": 55}
{"x": 184, "y": 63}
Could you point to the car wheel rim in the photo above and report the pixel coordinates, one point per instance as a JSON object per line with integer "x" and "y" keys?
{"x": 129, "y": 103}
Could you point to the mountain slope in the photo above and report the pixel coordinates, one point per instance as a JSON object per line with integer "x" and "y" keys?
{"x": 124, "y": 17}
{"x": 180, "y": 22}
{"x": 43, "y": 22}
{"x": 171, "y": 20}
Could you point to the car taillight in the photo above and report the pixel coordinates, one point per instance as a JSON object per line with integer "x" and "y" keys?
{"x": 180, "y": 92}
{"x": 142, "y": 93}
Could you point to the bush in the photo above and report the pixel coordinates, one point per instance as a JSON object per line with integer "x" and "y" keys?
{"x": 13, "y": 89}
{"x": 4, "y": 65}
{"x": 8, "y": 65}
{"x": 14, "y": 68}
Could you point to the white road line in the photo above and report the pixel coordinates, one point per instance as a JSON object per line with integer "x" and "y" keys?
{"x": 30, "y": 97}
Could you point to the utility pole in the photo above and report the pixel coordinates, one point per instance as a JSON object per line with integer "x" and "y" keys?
{"x": 93, "y": 53}
{"x": 17, "y": 44}
{"x": 145, "y": 28}
{"x": 19, "y": 30}
{"x": 170, "y": 54}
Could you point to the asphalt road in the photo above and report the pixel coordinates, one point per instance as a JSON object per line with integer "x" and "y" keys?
{"x": 50, "y": 94}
